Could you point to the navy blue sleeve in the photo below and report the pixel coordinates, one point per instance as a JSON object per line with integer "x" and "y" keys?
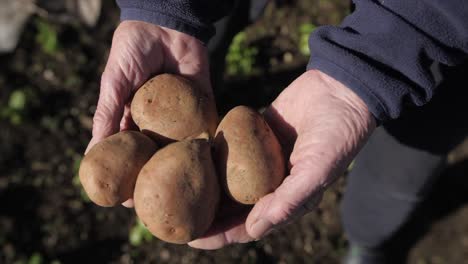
{"x": 386, "y": 50}
{"x": 195, "y": 18}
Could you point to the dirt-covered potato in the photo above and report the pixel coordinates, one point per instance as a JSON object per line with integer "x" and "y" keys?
{"x": 171, "y": 108}
{"x": 109, "y": 170}
{"x": 248, "y": 155}
{"x": 177, "y": 191}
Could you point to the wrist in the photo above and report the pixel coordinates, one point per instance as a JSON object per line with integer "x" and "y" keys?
{"x": 159, "y": 32}
{"x": 353, "y": 102}
{"x": 156, "y": 15}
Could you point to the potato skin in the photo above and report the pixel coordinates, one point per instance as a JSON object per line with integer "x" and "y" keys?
{"x": 171, "y": 108}
{"x": 177, "y": 191}
{"x": 109, "y": 170}
{"x": 249, "y": 157}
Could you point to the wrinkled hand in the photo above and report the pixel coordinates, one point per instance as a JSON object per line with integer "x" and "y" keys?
{"x": 322, "y": 125}
{"x": 139, "y": 51}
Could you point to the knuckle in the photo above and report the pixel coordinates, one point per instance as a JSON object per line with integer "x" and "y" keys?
{"x": 282, "y": 212}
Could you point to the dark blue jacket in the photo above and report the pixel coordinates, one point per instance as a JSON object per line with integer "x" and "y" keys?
{"x": 387, "y": 51}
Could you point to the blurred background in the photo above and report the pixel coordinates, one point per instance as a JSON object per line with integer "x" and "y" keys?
{"x": 49, "y": 85}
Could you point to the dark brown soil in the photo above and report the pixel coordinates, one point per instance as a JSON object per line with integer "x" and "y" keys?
{"x": 44, "y": 216}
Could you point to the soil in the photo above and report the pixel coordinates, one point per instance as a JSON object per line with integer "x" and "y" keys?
{"x": 45, "y": 218}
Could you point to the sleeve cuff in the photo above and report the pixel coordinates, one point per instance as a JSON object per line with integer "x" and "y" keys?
{"x": 360, "y": 88}
{"x": 200, "y": 32}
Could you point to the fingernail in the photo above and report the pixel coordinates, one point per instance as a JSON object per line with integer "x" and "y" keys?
{"x": 90, "y": 145}
{"x": 261, "y": 228}
{"x": 129, "y": 203}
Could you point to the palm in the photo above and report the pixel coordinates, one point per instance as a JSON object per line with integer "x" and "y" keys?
{"x": 321, "y": 125}
{"x": 139, "y": 51}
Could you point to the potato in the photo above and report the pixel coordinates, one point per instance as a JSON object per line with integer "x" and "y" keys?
{"x": 177, "y": 191}
{"x": 248, "y": 155}
{"x": 109, "y": 170}
{"x": 171, "y": 108}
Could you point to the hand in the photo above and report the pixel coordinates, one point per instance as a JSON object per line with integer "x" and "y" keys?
{"x": 139, "y": 51}
{"x": 322, "y": 125}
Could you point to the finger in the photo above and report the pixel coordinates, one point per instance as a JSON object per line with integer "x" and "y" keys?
{"x": 110, "y": 107}
{"x": 228, "y": 227}
{"x": 127, "y": 122}
{"x": 316, "y": 159}
{"x": 129, "y": 203}
{"x": 297, "y": 196}
{"x": 282, "y": 130}
{"x": 236, "y": 234}
{"x": 332, "y": 124}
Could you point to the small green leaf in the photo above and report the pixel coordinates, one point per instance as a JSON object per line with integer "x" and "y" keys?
{"x": 76, "y": 167}
{"x": 240, "y": 58}
{"x": 76, "y": 179}
{"x": 47, "y": 37}
{"x": 17, "y": 100}
{"x": 35, "y": 258}
{"x": 136, "y": 237}
{"x": 5, "y": 112}
{"x": 351, "y": 166}
{"x": 304, "y": 32}
{"x": 16, "y": 119}
{"x": 307, "y": 28}
{"x": 139, "y": 234}
{"x": 84, "y": 195}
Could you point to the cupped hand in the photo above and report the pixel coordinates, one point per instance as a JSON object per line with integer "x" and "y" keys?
{"x": 322, "y": 125}
{"x": 139, "y": 51}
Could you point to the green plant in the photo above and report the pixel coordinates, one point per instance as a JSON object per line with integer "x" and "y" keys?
{"x": 19, "y": 102}
{"x": 46, "y": 37}
{"x": 139, "y": 234}
{"x": 76, "y": 178}
{"x": 304, "y": 33}
{"x": 35, "y": 258}
{"x": 350, "y": 166}
{"x": 14, "y": 111}
{"x": 240, "y": 58}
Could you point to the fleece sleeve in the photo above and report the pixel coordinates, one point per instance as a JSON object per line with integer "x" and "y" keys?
{"x": 195, "y": 18}
{"x": 386, "y": 50}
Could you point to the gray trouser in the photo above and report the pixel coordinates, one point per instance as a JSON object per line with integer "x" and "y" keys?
{"x": 398, "y": 166}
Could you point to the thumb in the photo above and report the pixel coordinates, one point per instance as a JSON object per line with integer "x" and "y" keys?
{"x": 334, "y": 125}
{"x": 298, "y": 194}
{"x": 110, "y": 108}
{"x": 315, "y": 164}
